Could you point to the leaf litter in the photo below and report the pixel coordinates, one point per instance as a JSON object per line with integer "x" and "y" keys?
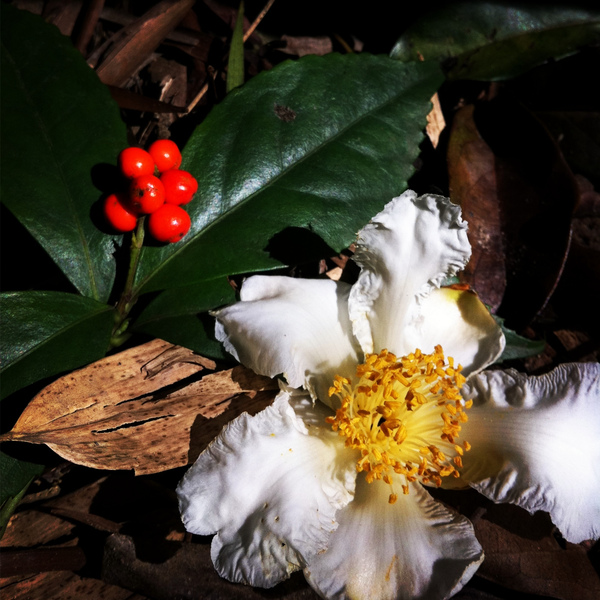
{"x": 119, "y": 536}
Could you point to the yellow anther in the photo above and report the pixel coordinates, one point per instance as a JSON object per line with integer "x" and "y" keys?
{"x": 383, "y": 407}
{"x": 384, "y": 411}
{"x": 392, "y": 499}
{"x": 466, "y": 445}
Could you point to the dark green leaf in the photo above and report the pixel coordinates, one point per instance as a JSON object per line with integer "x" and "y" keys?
{"x": 59, "y": 123}
{"x": 179, "y": 316}
{"x": 16, "y": 475}
{"x": 45, "y": 333}
{"x": 488, "y": 40}
{"x": 235, "y": 65}
{"x": 518, "y": 346}
{"x": 322, "y": 143}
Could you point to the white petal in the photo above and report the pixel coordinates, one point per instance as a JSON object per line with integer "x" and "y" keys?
{"x": 414, "y": 548}
{"x": 461, "y": 323}
{"x": 406, "y": 251}
{"x": 269, "y": 486}
{"x": 536, "y": 443}
{"x": 298, "y": 327}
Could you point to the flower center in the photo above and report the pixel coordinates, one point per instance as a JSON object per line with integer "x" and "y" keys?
{"x": 404, "y": 415}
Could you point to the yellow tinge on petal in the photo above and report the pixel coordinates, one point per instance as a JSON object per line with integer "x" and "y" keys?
{"x": 405, "y": 416}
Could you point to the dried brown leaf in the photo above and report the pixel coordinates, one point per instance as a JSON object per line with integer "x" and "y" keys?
{"x": 62, "y": 584}
{"x": 147, "y": 409}
{"x": 435, "y": 121}
{"x": 518, "y": 195}
{"x": 536, "y": 565}
{"x": 473, "y": 186}
{"x": 303, "y": 45}
{"x": 132, "y": 45}
{"x": 167, "y": 570}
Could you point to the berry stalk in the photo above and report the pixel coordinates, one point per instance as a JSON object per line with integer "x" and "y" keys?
{"x": 128, "y": 297}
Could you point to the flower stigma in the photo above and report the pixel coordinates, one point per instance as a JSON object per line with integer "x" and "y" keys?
{"x": 404, "y": 416}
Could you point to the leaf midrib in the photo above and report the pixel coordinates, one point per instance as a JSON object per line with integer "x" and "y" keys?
{"x": 271, "y": 182}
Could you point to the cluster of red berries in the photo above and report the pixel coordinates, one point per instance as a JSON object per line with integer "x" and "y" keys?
{"x": 157, "y": 187}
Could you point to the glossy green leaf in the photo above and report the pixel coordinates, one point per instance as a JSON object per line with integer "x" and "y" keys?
{"x": 489, "y": 40}
{"x": 16, "y": 475}
{"x": 45, "y": 333}
{"x": 518, "y": 346}
{"x": 179, "y": 316}
{"x": 322, "y": 143}
{"x": 235, "y": 65}
{"x": 60, "y": 128}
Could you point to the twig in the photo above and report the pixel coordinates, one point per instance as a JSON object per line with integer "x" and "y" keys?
{"x": 92, "y": 14}
{"x": 248, "y": 33}
{"x": 258, "y": 19}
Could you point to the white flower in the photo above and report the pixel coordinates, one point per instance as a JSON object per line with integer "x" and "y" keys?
{"x": 338, "y": 487}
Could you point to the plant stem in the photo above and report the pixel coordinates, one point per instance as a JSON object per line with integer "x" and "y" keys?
{"x": 128, "y": 297}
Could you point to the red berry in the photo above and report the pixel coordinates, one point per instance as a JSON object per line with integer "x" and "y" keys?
{"x": 169, "y": 223}
{"x": 180, "y": 186}
{"x": 134, "y": 162}
{"x": 117, "y": 215}
{"x": 166, "y": 155}
{"x": 146, "y": 194}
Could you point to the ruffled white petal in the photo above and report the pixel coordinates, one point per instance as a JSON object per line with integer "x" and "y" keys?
{"x": 413, "y": 549}
{"x": 461, "y": 323}
{"x": 536, "y": 443}
{"x": 269, "y": 486}
{"x": 295, "y": 327}
{"x": 407, "y": 250}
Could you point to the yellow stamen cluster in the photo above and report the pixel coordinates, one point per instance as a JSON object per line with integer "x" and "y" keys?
{"x": 404, "y": 415}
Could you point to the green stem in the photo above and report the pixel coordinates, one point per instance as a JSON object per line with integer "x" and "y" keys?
{"x": 128, "y": 297}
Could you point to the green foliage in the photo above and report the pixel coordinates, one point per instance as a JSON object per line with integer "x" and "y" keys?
{"x": 62, "y": 123}
{"x": 320, "y": 144}
{"x": 45, "y": 333}
{"x": 235, "y": 66}
{"x": 517, "y": 346}
{"x": 491, "y": 40}
{"x": 16, "y": 475}
{"x": 302, "y": 155}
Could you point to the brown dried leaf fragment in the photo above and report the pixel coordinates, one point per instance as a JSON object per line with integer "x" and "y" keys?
{"x": 132, "y": 46}
{"x": 147, "y": 409}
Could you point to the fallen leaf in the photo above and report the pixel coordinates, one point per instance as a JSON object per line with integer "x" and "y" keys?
{"x": 535, "y": 565}
{"x": 148, "y": 409}
{"x": 518, "y": 196}
{"x": 473, "y": 186}
{"x": 62, "y": 584}
{"x": 165, "y": 570}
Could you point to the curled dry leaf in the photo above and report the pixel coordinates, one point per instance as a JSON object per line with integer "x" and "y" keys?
{"x": 149, "y": 409}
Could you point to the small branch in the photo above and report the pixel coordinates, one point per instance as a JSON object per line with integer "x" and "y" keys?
{"x": 248, "y": 33}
